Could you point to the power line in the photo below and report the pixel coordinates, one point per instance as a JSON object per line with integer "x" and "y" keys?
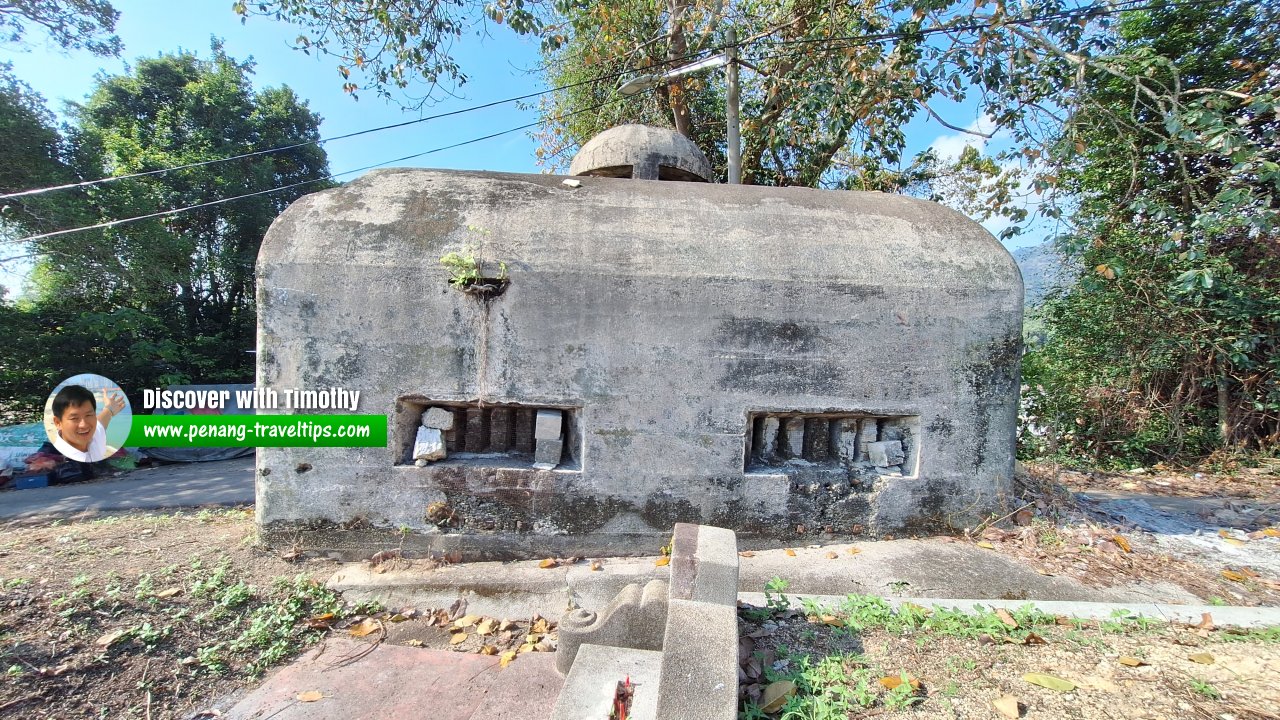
{"x": 1091, "y": 10}
{"x": 331, "y": 176}
{"x": 322, "y": 141}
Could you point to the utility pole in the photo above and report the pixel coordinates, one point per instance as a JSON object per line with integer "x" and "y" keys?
{"x": 731, "y": 76}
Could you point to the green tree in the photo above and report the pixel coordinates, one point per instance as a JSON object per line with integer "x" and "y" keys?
{"x": 1168, "y": 344}
{"x": 72, "y": 24}
{"x": 171, "y": 298}
{"x": 32, "y": 155}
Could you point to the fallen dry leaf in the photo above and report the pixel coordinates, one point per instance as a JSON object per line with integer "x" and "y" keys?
{"x": 310, "y": 696}
{"x": 112, "y": 637}
{"x": 1131, "y": 661}
{"x": 831, "y": 620}
{"x": 854, "y": 550}
{"x": 596, "y": 565}
{"x": 986, "y": 545}
{"x": 832, "y": 555}
{"x": 548, "y": 563}
{"x": 466, "y": 621}
{"x": 1124, "y": 544}
{"x": 789, "y": 552}
{"x": 364, "y": 627}
{"x": 1233, "y": 541}
{"x": 1271, "y": 532}
{"x": 415, "y": 642}
{"x": 1203, "y": 658}
{"x": 1206, "y": 621}
{"x": 506, "y": 658}
{"x": 746, "y": 553}
{"x": 663, "y": 561}
{"x": 540, "y": 626}
{"x": 892, "y": 681}
{"x": 488, "y": 650}
{"x": 168, "y": 593}
{"x": 775, "y": 695}
{"x": 486, "y": 626}
{"x": 320, "y": 622}
{"x": 1234, "y": 576}
{"x": 1034, "y": 639}
{"x": 458, "y": 638}
{"x": 1006, "y": 618}
{"x": 1007, "y": 706}
{"x": 1049, "y": 681}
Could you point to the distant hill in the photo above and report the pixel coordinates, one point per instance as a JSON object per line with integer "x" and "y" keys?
{"x": 1043, "y": 269}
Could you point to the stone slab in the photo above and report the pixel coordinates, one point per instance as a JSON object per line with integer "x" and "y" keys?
{"x": 428, "y": 445}
{"x": 396, "y": 681}
{"x": 549, "y": 425}
{"x": 591, "y": 685}
{"x": 547, "y": 454}
{"x": 885, "y": 453}
{"x": 699, "y": 662}
{"x": 438, "y": 418}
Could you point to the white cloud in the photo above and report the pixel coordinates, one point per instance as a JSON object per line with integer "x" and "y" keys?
{"x": 949, "y": 147}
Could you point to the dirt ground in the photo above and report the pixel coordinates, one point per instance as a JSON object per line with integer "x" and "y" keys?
{"x": 134, "y": 615}
{"x": 158, "y": 615}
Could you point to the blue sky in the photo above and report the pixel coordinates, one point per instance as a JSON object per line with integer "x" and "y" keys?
{"x": 498, "y": 66}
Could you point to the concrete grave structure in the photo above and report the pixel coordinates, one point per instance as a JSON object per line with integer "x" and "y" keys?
{"x": 784, "y": 362}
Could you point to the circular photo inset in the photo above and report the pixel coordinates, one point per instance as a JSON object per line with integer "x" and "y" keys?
{"x": 87, "y": 418}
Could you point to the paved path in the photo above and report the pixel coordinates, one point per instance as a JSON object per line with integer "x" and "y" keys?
{"x": 223, "y": 482}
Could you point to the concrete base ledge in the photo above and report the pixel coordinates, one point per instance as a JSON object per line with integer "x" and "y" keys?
{"x": 1223, "y": 615}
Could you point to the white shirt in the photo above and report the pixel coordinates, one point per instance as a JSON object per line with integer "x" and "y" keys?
{"x": 97, "y": 447}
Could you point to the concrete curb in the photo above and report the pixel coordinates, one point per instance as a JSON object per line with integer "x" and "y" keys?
{"x": 1223, "y": 615}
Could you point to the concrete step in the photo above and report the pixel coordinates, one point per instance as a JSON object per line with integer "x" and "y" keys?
{"x": 590, "y": 688}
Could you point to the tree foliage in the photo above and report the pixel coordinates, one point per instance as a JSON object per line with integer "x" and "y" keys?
{"x": 1167, "y": 343}
{"x": 171, "y": 298}
{"x": 72, "y": 24}
{"x": 395, "y": 47}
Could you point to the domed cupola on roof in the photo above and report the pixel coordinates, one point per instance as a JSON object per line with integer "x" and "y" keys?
{"x": 642, "y": 152}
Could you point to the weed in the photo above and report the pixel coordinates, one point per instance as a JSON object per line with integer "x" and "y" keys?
{"x": 272, "y": 629}
{"x": 1204, "y": 688}
{"x": 210, "y": 659}
{"x": 1046, "y": 533}
{"x": 902, "y": 696}
{"x": 1217, "y": 601}
{"x": 776, "y": 602}
{"x": 149, "y": 635}
{"x": 145, "y": 589}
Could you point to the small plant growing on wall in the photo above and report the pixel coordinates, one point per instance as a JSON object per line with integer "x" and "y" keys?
{"x": 467, "y": 270}
{"x": 466, "y": 273}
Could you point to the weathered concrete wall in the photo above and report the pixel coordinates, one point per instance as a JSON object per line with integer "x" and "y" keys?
{"x": 664, "y": 316}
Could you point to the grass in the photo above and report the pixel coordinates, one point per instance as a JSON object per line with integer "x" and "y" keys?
{"x": 835, "y": 680}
